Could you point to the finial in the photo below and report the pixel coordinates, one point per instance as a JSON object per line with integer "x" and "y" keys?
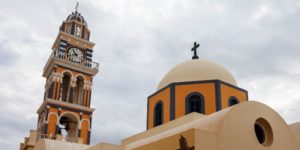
{"x": 76, "y": 8}
{"x": 195, "y": 50}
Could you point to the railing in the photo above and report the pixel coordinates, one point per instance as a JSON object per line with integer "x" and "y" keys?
{"x": 45, "y": 136}
{"x": 81, "y": 62}
{"x": 59, "y": 138}
{"x": 66, "y": 139}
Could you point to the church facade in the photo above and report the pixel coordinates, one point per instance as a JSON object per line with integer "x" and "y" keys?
{"x": 197, "y": 106}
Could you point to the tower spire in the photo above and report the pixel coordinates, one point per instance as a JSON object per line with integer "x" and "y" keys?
{"x": 76, "y": 8}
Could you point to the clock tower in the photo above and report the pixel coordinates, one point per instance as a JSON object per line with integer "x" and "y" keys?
{"x": 65, "y": 113}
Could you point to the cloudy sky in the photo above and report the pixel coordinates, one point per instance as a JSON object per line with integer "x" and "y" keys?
{"x": 137, "y": 42}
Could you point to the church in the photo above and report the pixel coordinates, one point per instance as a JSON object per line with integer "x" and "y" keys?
{"x": 198, "y": 105}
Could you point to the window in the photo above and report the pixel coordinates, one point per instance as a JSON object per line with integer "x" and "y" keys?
{"x": 50, "y": 90}
{"x": 233, "y": 101}
{"x": 68, "y": 127}
{"x": 195, "y": 103}
{"x": 158, "y": 114}
{"x": 66, "y": 86}
{"x": 79, "y": 90}
{"x": 263, "y": 132}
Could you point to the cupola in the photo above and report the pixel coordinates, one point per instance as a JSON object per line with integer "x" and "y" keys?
{"x": 76, "y": 25}
{"x": 195, "y": 85}
{"x": 197, "y": 70}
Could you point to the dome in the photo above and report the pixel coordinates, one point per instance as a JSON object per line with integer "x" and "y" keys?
{"x": 197, "y": 70}
{"x": 76, "y": 17}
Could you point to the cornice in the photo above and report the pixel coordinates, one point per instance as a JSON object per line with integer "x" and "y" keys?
{"x": 68, "y": 37}
{"x": 49, "y": 102}
{"x": 67, "y": 64}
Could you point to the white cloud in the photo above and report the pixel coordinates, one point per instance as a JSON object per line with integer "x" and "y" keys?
{"x": 136, "y": 43}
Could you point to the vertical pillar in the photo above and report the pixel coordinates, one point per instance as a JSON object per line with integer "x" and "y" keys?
{"x": 45, "y": 130}
{"x": 57, "y": 123}
{"x": 80, "y": 126}
{"x": 89, "y": 100}
{"x": 72, "y": 94}
{"x": 51, "y": 90}
{"x": 52, "y": 123}
{"x": 59, "y": 78}
{"x": 55, "y": 85}
{"x": 84, "y": 97}
{"x": 87, "y": 93}
{"x": 57, "y": 89}
{"x": 54, "y": 89}
{"x": 89, "y": 137}
{"x": 89, "y": 133}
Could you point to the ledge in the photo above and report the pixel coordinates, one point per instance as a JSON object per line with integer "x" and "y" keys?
{"x": 65, "y": 105}
{"x": 53, "y": 61}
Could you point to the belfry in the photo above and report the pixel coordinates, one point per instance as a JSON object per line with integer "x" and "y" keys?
{"x": 65, "y": 113}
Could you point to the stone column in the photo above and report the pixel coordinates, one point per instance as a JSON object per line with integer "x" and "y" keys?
{"x": 87, "y": 92}
{"x": 72, "y": 94}
{"x": 57, "y": 79}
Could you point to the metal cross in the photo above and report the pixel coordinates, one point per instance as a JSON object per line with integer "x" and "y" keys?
{"x": 76, "y": 8}
{"x": 195, "y": 50}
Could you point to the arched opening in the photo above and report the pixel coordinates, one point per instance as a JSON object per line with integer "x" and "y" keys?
{"x": 158, "y": 114}
{"x": 78, "y": 31}
{"x": 50, "y": 90}
{"x": 260, "y": 134}
{"x": 263, "y": 132}
{"x": 66, "y": 83}
{"x": 79, "y": 90}
{"x": 195, "y": 103}
{"x": 232, "y": 101}
{"x": 68, "y": 127}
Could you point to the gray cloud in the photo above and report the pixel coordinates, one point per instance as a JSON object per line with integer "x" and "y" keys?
{"x": 136, "y": 44}
{"x": 6, "y": 56}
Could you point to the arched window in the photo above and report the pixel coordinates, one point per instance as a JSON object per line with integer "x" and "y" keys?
{"x": 51, "y": 90}
{"x": 66, "y": 87}
{"x": 158, "y": 114}
{"x": 68, "y": 127}
{"x": 79, "y": 90}
{"x": 195, "y": 103}
{"x": 232, "y": 101}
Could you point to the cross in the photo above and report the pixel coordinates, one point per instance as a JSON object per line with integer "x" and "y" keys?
{"x": 195, "y": 50}
{"x": 76, "y": 8}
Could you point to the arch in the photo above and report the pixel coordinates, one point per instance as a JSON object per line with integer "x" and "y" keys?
{"x": 69, "y": 126}
{"x": 72, "y": 113}
{"x": 195, "y": 103}
{"x": 158, "y": 113}
{"x": 80, "y": 75}
{"x": 83, "y": 121}
{"x": 233, "y": 101}
{"x": 66, "y": 72}
{"x": 53, "y": 113}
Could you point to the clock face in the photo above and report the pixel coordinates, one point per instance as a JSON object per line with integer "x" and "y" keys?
{"x": 75, "y": 55}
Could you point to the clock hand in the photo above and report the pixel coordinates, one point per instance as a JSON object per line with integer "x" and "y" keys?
{"x": 74, "y": 52}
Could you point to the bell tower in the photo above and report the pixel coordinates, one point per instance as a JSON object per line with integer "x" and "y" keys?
{"x": 65, "y": 113}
